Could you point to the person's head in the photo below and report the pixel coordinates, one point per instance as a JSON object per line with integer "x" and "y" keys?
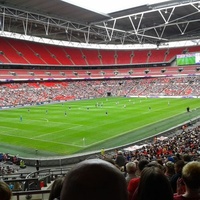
{"x": 160, "y": 161}
{"x": 56, "y": 188}
{"x": 191, "y": 174}
{"x": 155, "y": 164}
{"x": 119, "y": 153}
{"x": 142, "y": 164}
{"x": 186, "y": 158}
{"x": 154, "y": 185}
{"x": 5, "y": 191}
{"x": 169, "y": 168}
{"x": 131, "y": 167}
{"x": 178, "y": 166}
{"x": 94, "y": 179}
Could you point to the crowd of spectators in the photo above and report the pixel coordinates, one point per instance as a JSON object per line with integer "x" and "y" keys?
{"x": 13, "y": 94}
{"x": 8, "y": 164}
{"x": 6, "y": 169}
{"x": 186, "y": 142}
{"x": 164, "y": 169}
{"x": 170, "y": 155}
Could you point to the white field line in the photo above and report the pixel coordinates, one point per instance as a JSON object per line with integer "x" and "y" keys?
{"x": 69, "y": 144}
{"x": 122, "y": 133}
{"x": 72, "y": 144}
{"x": 55, "y": 132}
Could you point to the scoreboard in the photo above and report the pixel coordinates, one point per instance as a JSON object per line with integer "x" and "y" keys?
{"x": 188, "y": 59}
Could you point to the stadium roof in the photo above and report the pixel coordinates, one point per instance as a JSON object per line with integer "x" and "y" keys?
{"x": 150, "y": 24}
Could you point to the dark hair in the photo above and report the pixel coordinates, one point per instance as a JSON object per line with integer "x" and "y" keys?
{"x": 5, "y": 191}
{"x": 56, "y": 188}
{"x": 169, "y": 168}
{"x": 154, "y": 185}
{"x": 186, "y": 158}
{"x": 142, "y": 164}
{"x": 179, "y": 165}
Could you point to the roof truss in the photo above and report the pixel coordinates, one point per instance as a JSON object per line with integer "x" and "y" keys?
{"x": 154, "y": 26}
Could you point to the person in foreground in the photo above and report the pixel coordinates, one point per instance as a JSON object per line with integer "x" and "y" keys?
{"x": 94, "y": 179}
{"x": 5, "y": 191}
{"x": 191, "y": 179}
{"x": 153, "y": 185}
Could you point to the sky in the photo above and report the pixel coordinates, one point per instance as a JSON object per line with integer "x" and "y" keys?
{"x": 108, "y": 6}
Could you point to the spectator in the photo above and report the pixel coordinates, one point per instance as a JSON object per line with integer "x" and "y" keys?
{"x": 37, "y": 165}
{"x": 186, "y": 158}
{"x": 178, "y": 166}
{"x": 120, "y": 159}
{"x": 56, "y": 188}
{"x": 11, "y": 186}
{"x": 94, "y": 179}
{"x": 22, "y": 164}
{"x": 155, "y": 163}
{"x": 133, "y": 184}
{"x": 169, "y": 169}
{"x": 103, "y": 152}
{"x": 131, "y": 169}
{"x": 5, "y": 191}
{"x": 153, "y": 185}
{"x": 191, "y": 179}
{"x": 17, "y": 186}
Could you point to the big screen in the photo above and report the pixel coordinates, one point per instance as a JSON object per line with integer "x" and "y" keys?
{"x": 188, "y": 59}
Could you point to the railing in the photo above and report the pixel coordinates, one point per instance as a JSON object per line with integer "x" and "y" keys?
{"x": 34, "y": 194}
{"x": 33, "y": 185}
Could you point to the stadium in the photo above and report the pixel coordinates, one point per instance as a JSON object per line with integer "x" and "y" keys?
{"x": 74, "y": 81}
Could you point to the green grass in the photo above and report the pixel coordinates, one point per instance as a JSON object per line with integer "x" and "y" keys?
{"x": 86, "y": 127}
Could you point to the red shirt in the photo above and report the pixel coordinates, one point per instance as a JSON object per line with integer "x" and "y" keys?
{"x": 132, "y": 186}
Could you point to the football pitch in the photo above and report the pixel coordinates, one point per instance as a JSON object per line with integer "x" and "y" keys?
{"x": 88, "y": 125}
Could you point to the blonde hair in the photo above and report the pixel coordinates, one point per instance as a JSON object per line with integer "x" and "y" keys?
{"x": 131, "y": 167}
{"x": 191, "y": 174}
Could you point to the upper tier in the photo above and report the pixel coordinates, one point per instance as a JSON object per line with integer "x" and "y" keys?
{"x": 20, "y": 52}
